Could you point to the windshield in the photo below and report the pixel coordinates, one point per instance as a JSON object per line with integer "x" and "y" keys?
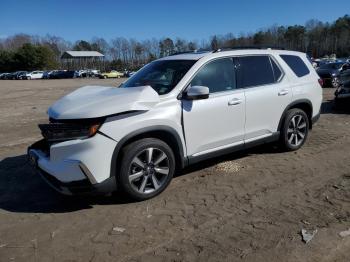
{"x": 331, "y": 66}
{"x": 161, "y": 75}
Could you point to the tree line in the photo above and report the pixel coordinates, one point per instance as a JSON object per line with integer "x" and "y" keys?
{"x": 28, "y": 52}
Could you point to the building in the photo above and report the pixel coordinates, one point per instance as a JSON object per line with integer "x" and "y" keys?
{"x": 76, "y": 60}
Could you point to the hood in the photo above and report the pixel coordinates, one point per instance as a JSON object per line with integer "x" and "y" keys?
{"x": 99, "y": 101}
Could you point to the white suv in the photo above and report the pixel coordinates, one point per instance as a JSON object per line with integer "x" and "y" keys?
{"x": 176, "y": 111}
{"x": 34, "y": 75}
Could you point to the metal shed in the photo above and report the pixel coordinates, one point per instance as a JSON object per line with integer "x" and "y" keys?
{"x": 76, "y": 60}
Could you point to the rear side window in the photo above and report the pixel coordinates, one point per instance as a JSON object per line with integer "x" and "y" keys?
{"x": 218, "y": 76}
{"x": 296, "y": 64}
{"x": 255, "y": 71}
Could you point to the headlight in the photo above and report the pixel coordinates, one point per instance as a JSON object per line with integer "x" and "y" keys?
{"x": 59, "y": 132}
{"x": 93, "y": 129}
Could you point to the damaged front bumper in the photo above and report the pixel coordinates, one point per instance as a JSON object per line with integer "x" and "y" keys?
{"x": 62, "y": 166}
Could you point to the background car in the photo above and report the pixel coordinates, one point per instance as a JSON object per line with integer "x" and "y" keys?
{"x": 111, "y": 74}
{"x": 34, "y": 75}
{"x": 330, "y": 73}
{"x": 20, "y": 75}
{"x": 11, "y": 76}
{"x": 129, "y": 73}
{"x": 93, "y": 72}
{"x": 46, "y": 74}
{"x": 5, "y": 76}
{"x": 81, "y": 73}
{"x": 15, "y": 75}
{"x": 62, "y": 74}
{"x": 88, "y": 73}
{"x": 342, "y": 94}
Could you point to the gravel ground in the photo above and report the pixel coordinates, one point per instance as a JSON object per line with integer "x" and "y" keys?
{"x": 248, "y": 206}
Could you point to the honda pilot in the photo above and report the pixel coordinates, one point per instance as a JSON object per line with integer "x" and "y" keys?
{"x": 176, "y": 111}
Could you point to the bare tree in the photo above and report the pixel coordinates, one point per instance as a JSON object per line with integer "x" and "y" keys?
{"x": 116, "y": 47}
{"x": 16, "y": 41}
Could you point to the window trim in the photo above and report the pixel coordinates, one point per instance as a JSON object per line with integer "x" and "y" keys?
{"x": 278, "y": 65}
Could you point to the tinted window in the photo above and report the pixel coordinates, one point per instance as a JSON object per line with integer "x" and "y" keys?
{"x": 276, "y": 70}
{"x": 296, "y": 64}
{"x": 161, "y": 75}
{"x": 217, "y": 75}
{"x": 254, "y": 71}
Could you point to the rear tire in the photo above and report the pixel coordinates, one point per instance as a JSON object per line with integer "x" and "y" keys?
{"x": 147, "y": 168}
{"x": 295, "y": 129}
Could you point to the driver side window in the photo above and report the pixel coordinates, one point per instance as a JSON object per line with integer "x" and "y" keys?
{"x": 217, "y": 75}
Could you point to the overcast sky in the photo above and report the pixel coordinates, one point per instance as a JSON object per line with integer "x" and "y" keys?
{"x": 74, "y": 19}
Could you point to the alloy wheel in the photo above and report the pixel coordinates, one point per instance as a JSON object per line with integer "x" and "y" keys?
{"x": 297, "y": 130}
{"x": 335, "y": 82}
{"x": 148, "y": 170}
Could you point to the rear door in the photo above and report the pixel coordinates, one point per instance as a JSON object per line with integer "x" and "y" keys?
{"x": 267, "y": 94}
{"x": 216, "y": 122}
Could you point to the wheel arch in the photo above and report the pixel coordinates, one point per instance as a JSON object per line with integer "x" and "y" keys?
{"x": 303, "y": 104}
{"x": 164, "y": 133}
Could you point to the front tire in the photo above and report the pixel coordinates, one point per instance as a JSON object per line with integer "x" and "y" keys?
{"x": 295, "y": 129}
{"x": 147, "y": 168}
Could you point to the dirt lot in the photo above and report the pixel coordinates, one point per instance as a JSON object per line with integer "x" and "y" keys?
{"x": 248, "y": 206}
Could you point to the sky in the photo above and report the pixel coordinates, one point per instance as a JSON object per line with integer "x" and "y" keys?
{"x": 192, "y": 20}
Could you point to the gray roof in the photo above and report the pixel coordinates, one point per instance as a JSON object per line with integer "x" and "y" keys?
{"x": 77, "y": 54}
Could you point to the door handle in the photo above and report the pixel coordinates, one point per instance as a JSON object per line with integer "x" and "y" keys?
{"x": 283, "y": 92}
{"x": 234, "y": 101}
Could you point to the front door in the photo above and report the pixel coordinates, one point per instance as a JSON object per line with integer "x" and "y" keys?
{"x": 216, "y": 122}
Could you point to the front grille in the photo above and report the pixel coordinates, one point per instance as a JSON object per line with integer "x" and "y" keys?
{"x": 58, "y": 132}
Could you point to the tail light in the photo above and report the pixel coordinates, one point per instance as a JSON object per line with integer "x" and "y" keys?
{"x": 320, "y": 81}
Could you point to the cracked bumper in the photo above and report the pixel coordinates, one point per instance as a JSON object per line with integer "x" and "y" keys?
{"x": 77, "y": 166}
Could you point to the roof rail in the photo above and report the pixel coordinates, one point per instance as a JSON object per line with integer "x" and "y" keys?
{"x": 196, "y": 51}
{"x": 247, "y": 47}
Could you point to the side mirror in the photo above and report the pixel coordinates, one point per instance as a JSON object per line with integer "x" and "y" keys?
{"x": 196, "y": 92}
